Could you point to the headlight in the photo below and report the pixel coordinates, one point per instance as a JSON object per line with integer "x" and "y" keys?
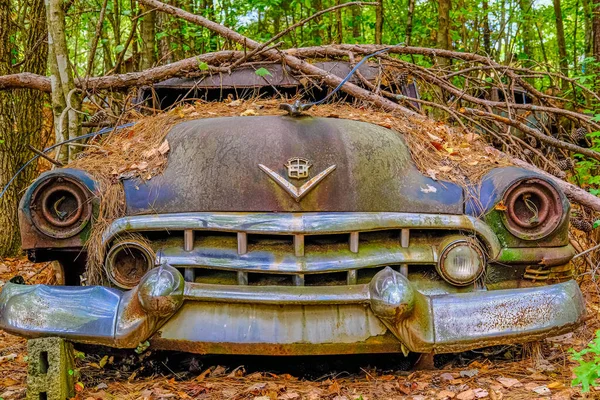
{"x": 461, "y": 261}
{"x": 127, "y": 262}
{"x": 533, "y": 209}
{"x": 60, "y": 206}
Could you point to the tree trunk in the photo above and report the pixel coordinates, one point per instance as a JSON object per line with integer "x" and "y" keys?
{"x": 487, "y": 44}
{"x": 209, "y": 11}
{"x": 596, "y": 36}
{"x": 443, "y": 33}
{"x": 560, "y": 40}
{"x": 527, "y": 31}
{"x": 164, "y": 44}
{"x": 57, "y": 40}
{"x": 356, "y": 17}
{"x": 379, "y": 23}
{"x": 596, "y": 30}
{"x": 148, "y": 38}
{"x": 587, "y": 23}
{"x": 318, "y": 31}
{"x": 340, "y": 26}
{"x": 20, "y": 115}
{"x": 409, "y": 22}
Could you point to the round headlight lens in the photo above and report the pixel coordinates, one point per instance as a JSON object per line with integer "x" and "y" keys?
{"x": 461, "y": 263}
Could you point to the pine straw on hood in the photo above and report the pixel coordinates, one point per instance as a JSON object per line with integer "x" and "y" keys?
{"x": 439, "y": 151}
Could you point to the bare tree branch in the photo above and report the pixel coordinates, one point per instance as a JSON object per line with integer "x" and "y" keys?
{"x": 293, "y": 62}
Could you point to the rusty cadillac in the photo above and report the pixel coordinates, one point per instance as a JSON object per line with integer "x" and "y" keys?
{"x": 289, "y": 235}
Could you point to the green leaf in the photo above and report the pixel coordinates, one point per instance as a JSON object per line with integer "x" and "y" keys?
{"x": 119, "y": 48}
{"x": 142, "y": 347}
{"x": 202, "y": 66}
{"x": 262, "y": 72}
{"x": 588, "y": 370}
{"x": 596, "y": 223}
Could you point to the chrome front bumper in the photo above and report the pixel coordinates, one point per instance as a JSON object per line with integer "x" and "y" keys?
{"x": 205, "y": 318}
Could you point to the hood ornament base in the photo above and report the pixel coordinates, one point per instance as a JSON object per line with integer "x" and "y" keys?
{"x": 296, "y": 192}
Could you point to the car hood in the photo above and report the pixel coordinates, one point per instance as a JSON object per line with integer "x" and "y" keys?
{"x": 235, "y": 163}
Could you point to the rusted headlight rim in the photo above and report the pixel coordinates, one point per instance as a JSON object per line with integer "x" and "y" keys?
{"x": 452, "y": 243}
{"x": 550, "y": 214}
{"x": 41, "y": 214}
{"x": 114, "y": 273}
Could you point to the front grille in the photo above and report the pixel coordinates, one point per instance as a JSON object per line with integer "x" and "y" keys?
{"x": 288, "y": 260}
{"x": 316, "y": 249}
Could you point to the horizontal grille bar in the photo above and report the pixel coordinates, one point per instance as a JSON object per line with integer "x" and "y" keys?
{"x": 301, "y": 224}
{"x": 315, "y": 262}
{"x": 318, "y": 295}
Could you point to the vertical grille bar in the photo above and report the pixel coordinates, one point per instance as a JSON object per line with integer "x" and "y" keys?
{"x": 242, "y": 242}
{"x": 188, "y": 240}
{"x": 242, "y": 278}
{"x": 242, "y": 245}
{"x": 298, "y": 280}
{"x": 189, "y": 274}
{"x": 354, "y": 242}
{"x": 404, "y": 242}
{"x": 299, "y": 245}
{"x": 351, "y": 277}
{"x": 299, "y": 252}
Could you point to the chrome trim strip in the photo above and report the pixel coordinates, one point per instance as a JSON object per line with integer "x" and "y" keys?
{"x": 302, "y": 223}
{"x": 278, "y": 295}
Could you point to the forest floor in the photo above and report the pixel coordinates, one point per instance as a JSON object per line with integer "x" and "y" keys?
{"x": 541, "y": 370}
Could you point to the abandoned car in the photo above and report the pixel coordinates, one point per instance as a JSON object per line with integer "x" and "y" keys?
{"x": 301, "y": 235}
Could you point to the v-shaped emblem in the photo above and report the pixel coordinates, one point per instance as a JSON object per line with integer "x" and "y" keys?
{"x": 295, "y": 192}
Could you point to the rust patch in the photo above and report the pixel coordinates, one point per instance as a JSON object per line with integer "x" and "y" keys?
{"x": 386, "y": 343}
{"x": 533, "y": 209}
{"x": 60, "y": 207}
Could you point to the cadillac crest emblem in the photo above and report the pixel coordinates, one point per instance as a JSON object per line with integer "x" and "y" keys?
{"x": 297, "y": 167}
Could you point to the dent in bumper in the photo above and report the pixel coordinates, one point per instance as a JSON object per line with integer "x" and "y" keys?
{"x": 282, "y": 316}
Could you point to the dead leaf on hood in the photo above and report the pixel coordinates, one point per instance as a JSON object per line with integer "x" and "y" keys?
{"x": 164, "y": 147}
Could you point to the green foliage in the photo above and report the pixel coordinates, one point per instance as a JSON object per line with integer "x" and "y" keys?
{"x": 202, "y": 66}
{"x": 142, "y": 347}
{"x": 262, "y": 72}
{"x": 588, "y": 371}
{"x": 262, "y": 19}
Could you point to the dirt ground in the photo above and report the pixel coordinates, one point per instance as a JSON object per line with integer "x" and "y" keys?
{"x": 535, "y": 371}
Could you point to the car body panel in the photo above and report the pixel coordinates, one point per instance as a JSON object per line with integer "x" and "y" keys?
{"x": 213, "y": 165}
{"x": 243, "y": 260}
